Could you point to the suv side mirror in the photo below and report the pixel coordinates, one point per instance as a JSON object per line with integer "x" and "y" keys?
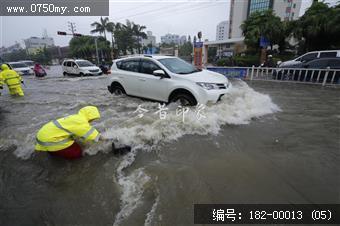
{"x": 75, "y": 66}
{"x": 159, "y": 73}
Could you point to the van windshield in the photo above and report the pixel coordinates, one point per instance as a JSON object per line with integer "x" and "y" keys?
{"x": 18, "y": 65}
{"x": 29, "y": 63}
{"x": 84, "y": 63}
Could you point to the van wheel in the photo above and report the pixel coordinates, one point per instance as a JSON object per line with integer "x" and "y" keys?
{"x": 81, "y": 74}
{"x": 64, "y": 73}
{"x": 185, "y": 99}
{"x": 117, "y": 90}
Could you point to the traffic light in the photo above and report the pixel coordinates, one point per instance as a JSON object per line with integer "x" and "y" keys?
{"x": 61, "y": 33}
{"x": 78, "y": 35}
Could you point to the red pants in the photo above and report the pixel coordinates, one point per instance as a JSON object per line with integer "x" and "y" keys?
{"x": 72, "y": 152}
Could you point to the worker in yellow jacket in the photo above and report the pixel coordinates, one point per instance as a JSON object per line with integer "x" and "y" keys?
{"x": 12, "y": 79}
{"x": 1, "y": 83}
{"x": 58, "y": 137}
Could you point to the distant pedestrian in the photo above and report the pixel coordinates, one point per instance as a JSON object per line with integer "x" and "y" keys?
{"x": 12, "y": 79}
{"x": 269, "y": 62}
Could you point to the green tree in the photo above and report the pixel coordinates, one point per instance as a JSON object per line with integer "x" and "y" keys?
{"x": 111, "y": 28}
{"x": 42, "y": 56}
{"x": 265, "y": 24}
{"x": 319, "y": 27}
{"x": 16, "y": 55}
{"x": 139, "y": 33}
{"x": 123, "y": 38}
{"x": 127, "y": 37}
{"x": 84, "y": 47}
{"x": 185, "y": 49}
{"x": 101, "y": 27}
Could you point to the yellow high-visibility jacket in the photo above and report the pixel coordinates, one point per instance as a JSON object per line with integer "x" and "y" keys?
{"x": 61, "y": 133}
{"x": 10, "y": 77}
{"x": 1, "y": 81}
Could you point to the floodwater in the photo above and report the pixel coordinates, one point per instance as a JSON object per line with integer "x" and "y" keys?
{"x": 265, "y": 142}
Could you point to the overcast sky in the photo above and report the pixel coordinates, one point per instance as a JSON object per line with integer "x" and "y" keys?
{"x": 183, "y": 17}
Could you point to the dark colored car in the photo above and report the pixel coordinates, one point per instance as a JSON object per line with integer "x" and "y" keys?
{"x": 299, "y": 74}
{"x": 105, "y": 68}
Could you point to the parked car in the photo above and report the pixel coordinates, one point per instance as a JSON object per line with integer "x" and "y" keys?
{"x": 20, "y": 68}
{"x": 311, "y": 56}
{"x": 166, "y": 79}
{"x": 80, "y": 67}
{"x": 306, "y": 75}
{"x": 29, "y": 63}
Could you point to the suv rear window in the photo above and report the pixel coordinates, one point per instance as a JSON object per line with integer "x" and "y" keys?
{"x": 68, "y": 63}
{"x": 327, "y": 54}
{"x": 129, "y": 65}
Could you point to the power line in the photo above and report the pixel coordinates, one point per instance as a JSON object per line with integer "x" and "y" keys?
{"x": 163, "y": 9}
{"x": 144, "y": 12}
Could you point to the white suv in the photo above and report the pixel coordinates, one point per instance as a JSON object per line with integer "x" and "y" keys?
{"x": 166, "y": 79}
{"x": 80, "y": 67}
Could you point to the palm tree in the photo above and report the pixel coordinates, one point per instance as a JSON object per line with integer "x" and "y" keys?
{"x": 111, "y": 28}
{"x": 139, "y": 33}
{"x": 101, "y": 26}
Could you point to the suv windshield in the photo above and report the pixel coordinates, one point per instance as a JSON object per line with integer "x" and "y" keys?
{"x": 84, "y": 63}
{"x": 178, "y": 66}
{"x": 18, "y": 65}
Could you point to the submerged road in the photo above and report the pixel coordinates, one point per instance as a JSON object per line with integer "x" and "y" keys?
{"x": 264, "y": 143}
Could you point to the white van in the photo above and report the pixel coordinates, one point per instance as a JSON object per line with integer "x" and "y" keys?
{"x": 80, "y": 67}
{"x": 311, "y": 56}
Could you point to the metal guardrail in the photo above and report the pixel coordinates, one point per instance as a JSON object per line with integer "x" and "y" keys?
{"x": 299, "y": 75}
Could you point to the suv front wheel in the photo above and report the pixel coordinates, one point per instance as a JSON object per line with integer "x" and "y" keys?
{"x": 185, "y": 99}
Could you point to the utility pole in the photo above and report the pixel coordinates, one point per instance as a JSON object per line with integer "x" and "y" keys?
{"x": 71, "y": 26}
{"x": 95, "y": 41}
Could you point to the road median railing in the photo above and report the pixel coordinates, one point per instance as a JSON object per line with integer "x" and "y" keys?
{"x": 297, "y": 75}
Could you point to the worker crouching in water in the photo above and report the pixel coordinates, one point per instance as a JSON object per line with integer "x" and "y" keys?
{"x": 58, "y": 137}
{"x": 12, "y": 79}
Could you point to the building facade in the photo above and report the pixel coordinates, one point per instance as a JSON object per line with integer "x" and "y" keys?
{"x": 170, "y": 38}
{"x": 10, "y": 49}
{"x": 34, "y": 44}
{"x": 151, "y": 39}
{"x": 241, "y": 9}
{"x": 222, "y": 31}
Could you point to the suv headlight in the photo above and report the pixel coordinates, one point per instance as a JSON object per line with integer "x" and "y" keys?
{"x": 207, "y": 86}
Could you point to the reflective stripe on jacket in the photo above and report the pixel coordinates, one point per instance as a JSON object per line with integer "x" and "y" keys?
{"x": 11, "y": 78}
{"x": 60, "y": 134}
